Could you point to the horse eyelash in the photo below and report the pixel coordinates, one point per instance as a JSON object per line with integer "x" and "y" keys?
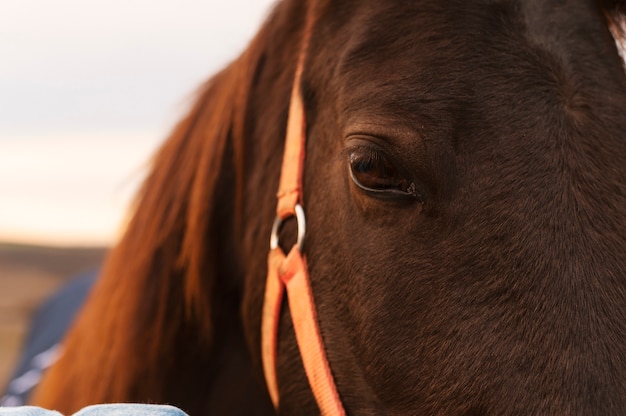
{"x": 374, "y": 156}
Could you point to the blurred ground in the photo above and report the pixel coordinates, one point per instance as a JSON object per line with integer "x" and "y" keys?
{"x": 28, "y": 274}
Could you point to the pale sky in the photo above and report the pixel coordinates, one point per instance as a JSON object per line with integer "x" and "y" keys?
{"x": 88, "y": 90}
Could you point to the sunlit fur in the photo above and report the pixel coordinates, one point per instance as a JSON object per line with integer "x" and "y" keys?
{"x": 503, "y": 293}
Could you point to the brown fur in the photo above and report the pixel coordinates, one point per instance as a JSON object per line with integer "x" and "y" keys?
{"x": 502, "y": 292}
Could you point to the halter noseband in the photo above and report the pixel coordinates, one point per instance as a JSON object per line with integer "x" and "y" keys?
{"x": 290, "y": 272}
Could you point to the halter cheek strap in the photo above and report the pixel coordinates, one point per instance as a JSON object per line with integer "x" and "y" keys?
{"x": 290, "y": 272}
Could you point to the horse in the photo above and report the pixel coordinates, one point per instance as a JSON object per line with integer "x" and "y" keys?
{"x": 462, "y": 176}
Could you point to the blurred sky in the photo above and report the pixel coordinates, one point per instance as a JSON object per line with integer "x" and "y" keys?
{"x": 88, "y": 90}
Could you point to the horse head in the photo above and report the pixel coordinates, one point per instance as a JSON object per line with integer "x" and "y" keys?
{"x": 465, "y": 195}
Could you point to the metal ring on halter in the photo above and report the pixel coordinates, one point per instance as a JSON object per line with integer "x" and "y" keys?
{"x": 278, "y": 222}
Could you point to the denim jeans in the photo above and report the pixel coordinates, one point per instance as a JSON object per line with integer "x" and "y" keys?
{"x": 99, "y": 410}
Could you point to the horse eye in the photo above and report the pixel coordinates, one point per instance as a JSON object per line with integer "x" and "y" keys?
{"x": 376, "y": 174}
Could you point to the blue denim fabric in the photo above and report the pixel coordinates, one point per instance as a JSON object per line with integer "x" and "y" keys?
{"x": 121, "y": 409}
{"x": 27, "y": 411}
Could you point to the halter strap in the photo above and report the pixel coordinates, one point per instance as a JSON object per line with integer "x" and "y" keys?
{"x": 290, "y": 271}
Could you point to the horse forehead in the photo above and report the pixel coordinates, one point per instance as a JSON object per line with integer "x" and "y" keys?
{"x": 536, "y": 16}
{"x": 408, "y": 58}
{"x": 405, "y": 36}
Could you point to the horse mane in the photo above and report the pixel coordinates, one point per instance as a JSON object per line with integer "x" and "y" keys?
{"x": 151, "y": 285}
{"x": 615, "y": 13}
{"x": 159, "y": 285}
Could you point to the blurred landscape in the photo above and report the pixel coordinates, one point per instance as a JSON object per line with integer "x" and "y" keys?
{"x": 28, "y": 275}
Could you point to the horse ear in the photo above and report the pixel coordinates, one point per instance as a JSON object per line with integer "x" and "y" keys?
{"x": 145, "y": 333}
{"x": 615, "y": 13}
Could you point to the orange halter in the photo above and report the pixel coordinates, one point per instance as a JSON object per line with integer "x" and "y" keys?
{"x": 290, "y": 272}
